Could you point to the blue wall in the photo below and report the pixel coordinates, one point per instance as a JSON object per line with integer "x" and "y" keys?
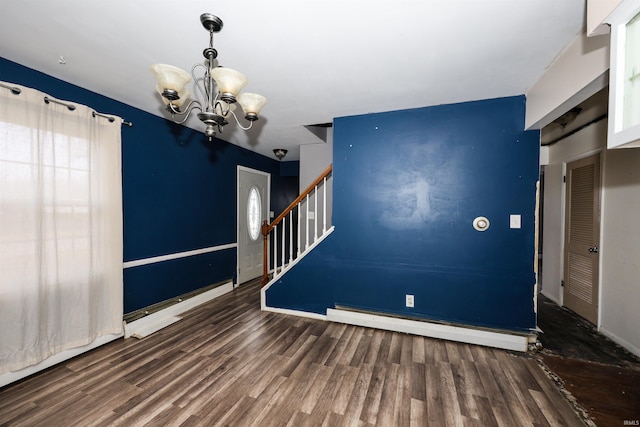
{"x": 179, "y": 193}
{"x": 407, "y": 186}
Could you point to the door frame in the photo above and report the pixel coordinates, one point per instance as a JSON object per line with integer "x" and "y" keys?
{"x": 563, "y": 207}
{"x": 243, "y": 216}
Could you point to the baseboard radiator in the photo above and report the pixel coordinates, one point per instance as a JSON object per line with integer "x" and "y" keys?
{"x": 146, "y": 321}
{"x": 460, "y": 333}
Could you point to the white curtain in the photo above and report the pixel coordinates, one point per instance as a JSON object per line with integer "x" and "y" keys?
{"x": 60, "y": 228}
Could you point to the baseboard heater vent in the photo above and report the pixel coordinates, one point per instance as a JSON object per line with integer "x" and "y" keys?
{"x": 149, "y": 327}
{"x": 469, "y": 335}
{"x": 146, "y": 311}
{"x": 164, "y": 314}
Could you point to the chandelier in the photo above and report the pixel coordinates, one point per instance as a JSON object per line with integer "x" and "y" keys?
{"x": 218, "y": 87}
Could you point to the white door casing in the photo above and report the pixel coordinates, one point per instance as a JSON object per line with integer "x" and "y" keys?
{"x": 253, "y": 195}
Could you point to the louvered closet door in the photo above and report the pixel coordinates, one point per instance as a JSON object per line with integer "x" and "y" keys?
{"x": 582, "y": 237}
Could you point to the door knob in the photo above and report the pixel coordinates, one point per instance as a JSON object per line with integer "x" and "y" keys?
{"x": 594, "y": 250}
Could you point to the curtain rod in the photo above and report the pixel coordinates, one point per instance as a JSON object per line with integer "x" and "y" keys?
{"x": 72, "y": 107}
{"x": 14, "y": 90}
{"x": 17, "y": 91}
{"x": 111, "y": 119}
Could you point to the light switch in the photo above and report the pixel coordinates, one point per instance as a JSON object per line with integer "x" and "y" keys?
{"x": 514, "y": 221}
{"x": 312, "y": 215}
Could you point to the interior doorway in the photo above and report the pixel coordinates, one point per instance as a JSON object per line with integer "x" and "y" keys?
{"x": 582, "y": 237}
{"x": 253, "y": 195}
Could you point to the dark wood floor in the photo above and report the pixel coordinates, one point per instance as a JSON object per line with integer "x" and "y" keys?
{"x": 228, "y": 363}
{"x": 566, "y": 334}
{"x": 602, "y": 377}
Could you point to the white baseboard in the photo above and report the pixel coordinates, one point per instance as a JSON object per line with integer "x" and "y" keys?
{"x": 161, "y": 319}
{"x": 433, "y": 330}
{"x": 10, "y": 377}
{"x": 295, "y": 313}
{"x": 613, "y": 337}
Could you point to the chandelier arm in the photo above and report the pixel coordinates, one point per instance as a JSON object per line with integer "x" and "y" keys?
{"x": 238, "y": 122}
{"x": 201, "y": 82}
{"x": 223, "y": 108}
{"x": 186, "y": 114}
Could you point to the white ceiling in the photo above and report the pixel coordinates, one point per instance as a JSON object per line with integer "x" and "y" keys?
{"x": 313, "y": 60}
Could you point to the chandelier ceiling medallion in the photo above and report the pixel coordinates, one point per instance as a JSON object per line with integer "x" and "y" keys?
{"x": 218, "y": 87}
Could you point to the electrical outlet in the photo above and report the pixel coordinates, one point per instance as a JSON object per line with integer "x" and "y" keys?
{"x": 409, "y": 300}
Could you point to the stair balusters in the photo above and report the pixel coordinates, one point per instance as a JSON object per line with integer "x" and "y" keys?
{"x": 282, "y": 247}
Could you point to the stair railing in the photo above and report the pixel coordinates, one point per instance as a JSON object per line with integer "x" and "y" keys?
{"x": 284, "y": 234}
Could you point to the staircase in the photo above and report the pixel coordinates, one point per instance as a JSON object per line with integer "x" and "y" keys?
{"x": 298, "y": 229}
{"x": 304, "y": 225}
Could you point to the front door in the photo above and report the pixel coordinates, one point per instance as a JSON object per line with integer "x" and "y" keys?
{"x": 253, "y": 206}
{"x": 582, "y": 237}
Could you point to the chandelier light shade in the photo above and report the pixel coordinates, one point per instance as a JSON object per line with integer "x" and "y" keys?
{"x": 182, "y": 98}
{"x": 219, "y": 89}
{"x": 251, "y": 104}
{"x": 170, "y": 78}
{"x": 230, "y": 82}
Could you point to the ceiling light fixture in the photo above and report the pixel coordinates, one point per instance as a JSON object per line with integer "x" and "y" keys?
{"x": 280, "y": 153}
{"x": 218, "y": 86}
{"x": 568, "y": 117}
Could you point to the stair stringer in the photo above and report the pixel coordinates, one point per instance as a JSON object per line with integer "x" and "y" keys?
{"x": 263, "y": 296}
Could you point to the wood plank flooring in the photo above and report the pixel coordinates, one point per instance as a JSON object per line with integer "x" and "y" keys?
{"x": 229, "y": 364}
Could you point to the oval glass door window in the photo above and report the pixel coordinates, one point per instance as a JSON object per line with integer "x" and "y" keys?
{"x": 254, "y": 213}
